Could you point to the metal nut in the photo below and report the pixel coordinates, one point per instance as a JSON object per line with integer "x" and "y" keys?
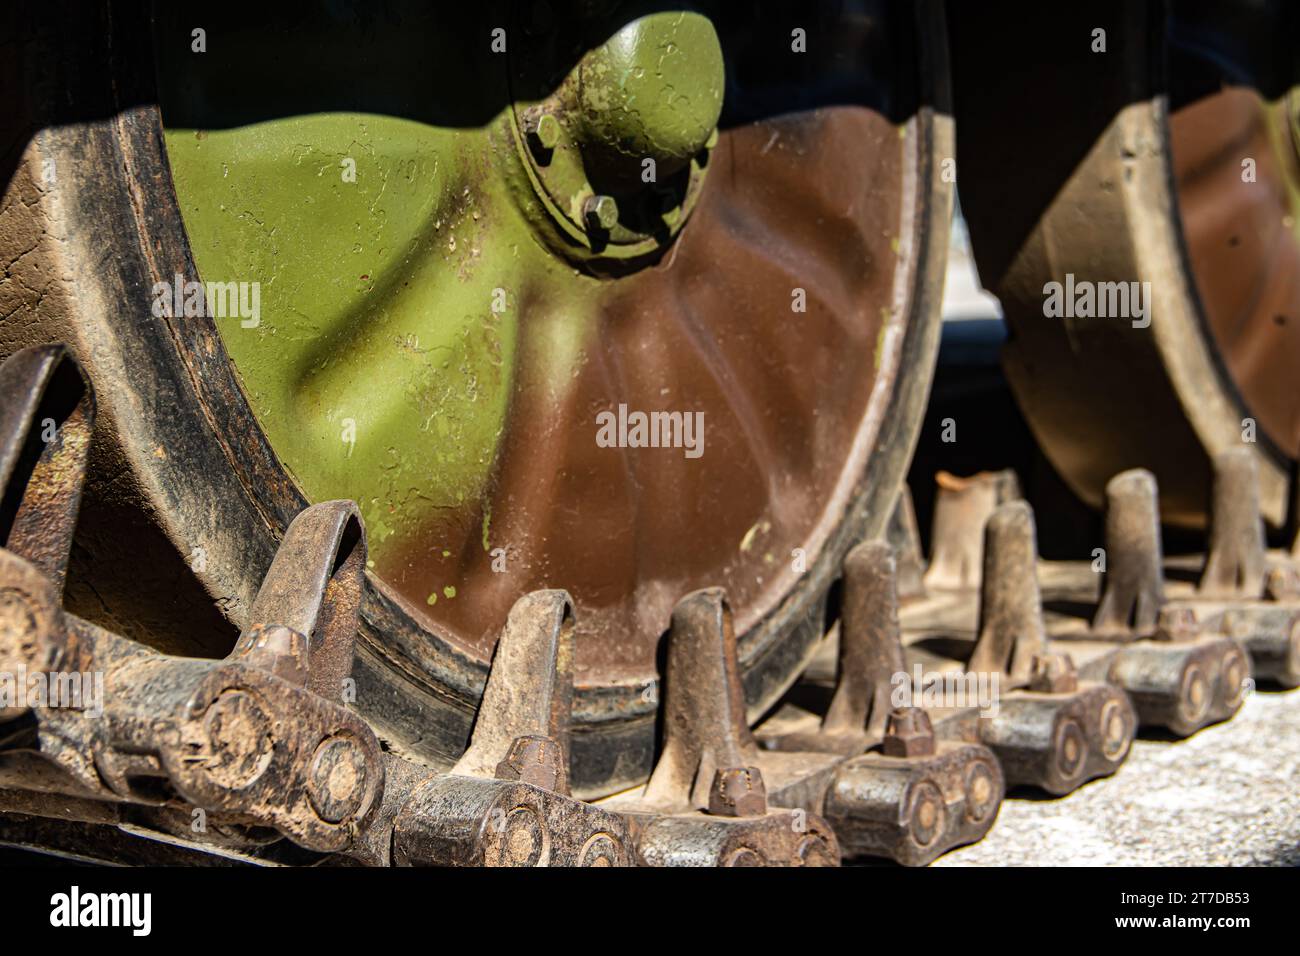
{"x": 1176, "y": 624}
{"x": 909, "y": 733}
{"x": 600, "y": 213}
{"x": 544, "y": 134}
{"x": 738, "y": 792}
{"x": 1054, "y": 674}
{"x": 535, "y": 760}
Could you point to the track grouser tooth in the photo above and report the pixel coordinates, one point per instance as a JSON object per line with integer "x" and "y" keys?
{"x": 1011, "y": 611}
{"x": 961, "y": 508}
{"x": 1133, "y": 587}
{"x": 1234, "y": 561}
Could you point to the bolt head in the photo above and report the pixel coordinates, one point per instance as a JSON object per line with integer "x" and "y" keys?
{"x": 600, "y": 213}
{"x": 909, "y": 733}
{"x": 1176, "y": 624}
{"x": 738, "y": 792}
{"x": 545, "y": 132}
{"x": 1283, "y": 583}
{"x": 536, "y": 760}
{"x": 1054, "y": 674}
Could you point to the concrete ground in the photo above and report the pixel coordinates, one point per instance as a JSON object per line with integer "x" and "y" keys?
{"x": 1229, "y": 796}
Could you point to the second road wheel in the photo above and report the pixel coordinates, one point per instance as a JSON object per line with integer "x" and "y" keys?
{"x": 1141, "y": 150}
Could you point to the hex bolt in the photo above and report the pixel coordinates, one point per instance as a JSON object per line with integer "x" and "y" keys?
{"x": 543, "y": 135}
{"x": 600, "y": 213}
{"x": 1133, "y": 590}
{"x": 536, "y": 760}
{"x": 1054, "y": 674}
{"x": 276, "y": 649}
{"x": 909, "y": 733}
{"x": 1177, "y": 624}
{"x": 336, "y": 780}
{"x": 1234, "y": 565}
{"x": 737, "y": 792}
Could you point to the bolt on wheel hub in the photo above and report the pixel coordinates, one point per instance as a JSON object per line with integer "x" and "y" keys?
{"x": 617, "y": 149}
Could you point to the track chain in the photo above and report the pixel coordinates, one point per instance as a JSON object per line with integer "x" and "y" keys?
{"x": 261, "y": 746}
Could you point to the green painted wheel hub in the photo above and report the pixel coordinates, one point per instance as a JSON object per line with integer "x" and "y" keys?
{"x": 654, "y": 89}
{"x": 616, "y": 151}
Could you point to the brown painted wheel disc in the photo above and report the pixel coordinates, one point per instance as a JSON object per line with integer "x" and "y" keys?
{"x": 1243, "y": 243}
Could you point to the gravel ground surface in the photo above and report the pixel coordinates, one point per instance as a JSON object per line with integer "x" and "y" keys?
{"x": 1220, "y": 798}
